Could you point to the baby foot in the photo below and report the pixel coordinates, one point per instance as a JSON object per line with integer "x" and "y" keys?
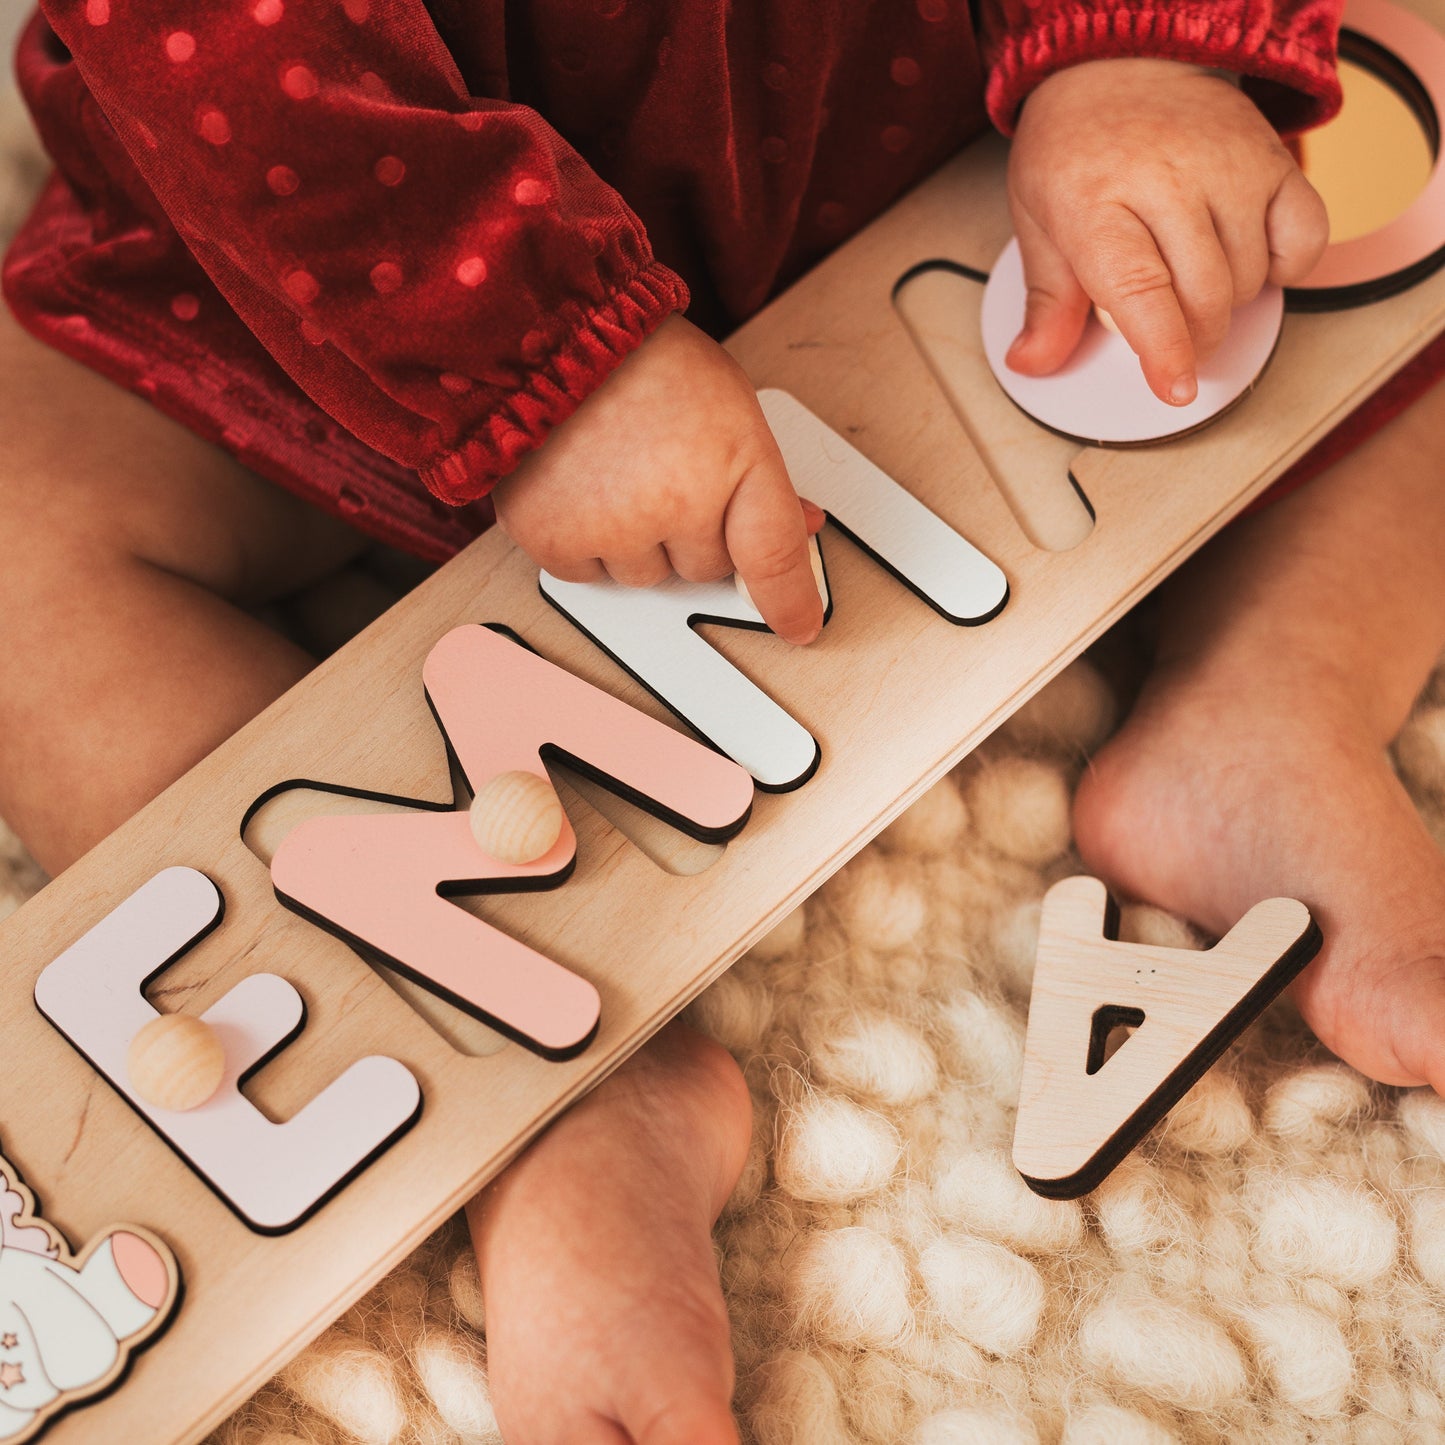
{"x": 1220, "y": 791}
{"x": 605, "y": 1319}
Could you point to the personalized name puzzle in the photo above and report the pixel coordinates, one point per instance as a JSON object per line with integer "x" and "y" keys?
{"x": 387, "y": 1013}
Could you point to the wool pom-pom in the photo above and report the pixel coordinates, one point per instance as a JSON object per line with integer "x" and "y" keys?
{"x": 935, "y": 824}
{"x": 450, "y": 1372}
{"x": 1305, "y": 1356}
{"x": 1382, "y": 1396}
{"x": 1103, "y": 1424}
{"x": 352, "y": 1385}
{"x": 981, "y": 1189}
{"x": 976, "y": 1425}
{"x": 1143, "y": 923}
{"x": 881, "y": 1398}
{"x": 987, "y": 1293}
{"x": 1212, "y": 1119}
{"x": 850, "y": 1286}
{"x": 986, "y": 1042}
{"x": 1422, "y": 1112}
{"x": 1166, "y": 1351}
{"x": 1420, "y": 750}
{"x": 960, "y": 1116}
{"x": 1074, "y": 712}
{"x": 878, "y": 904}
{"x": 831, "y": 1150}
{"x": 1307, "y": 1105}
{"x": 1427, "y": 1235}
{"x": 1375, "y": 1430}
{"x": 1015, "y": 938}
{"x": 798, "y": 1404}
{"x": 872, "y": 1053}
{"x": 464, "y": 1286}
{"x": 1427, "y": 1409}
{"x": 947, "y": 1359}
{"x": 734, "y": 1012}
{"x": 1020, "y": 808}
{"x": 402, "y": 1294}
{"x": 1324, "y": 1227}
{"x": 754, "y": 1174}
{"x": 783, "y": 940}
{"x": 1136, "y": 1211}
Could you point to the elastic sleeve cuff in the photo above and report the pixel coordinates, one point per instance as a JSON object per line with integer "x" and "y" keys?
{"x": 522, "y": 418}
{"x": 1294, "y": 82}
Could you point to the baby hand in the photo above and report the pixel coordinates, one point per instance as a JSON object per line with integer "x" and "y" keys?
{"x": 669, "y": 466}
{"x": 1159, "y": 191}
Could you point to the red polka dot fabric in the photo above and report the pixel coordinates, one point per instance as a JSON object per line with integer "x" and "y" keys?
{"x": 379, "y": 249}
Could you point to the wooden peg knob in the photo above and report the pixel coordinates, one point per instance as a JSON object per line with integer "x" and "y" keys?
{"x": 815, "y": 556}
{"x": 176, "y": 1062}
{"x": 1107, "y": 321}
{"x": 517, "y": 817}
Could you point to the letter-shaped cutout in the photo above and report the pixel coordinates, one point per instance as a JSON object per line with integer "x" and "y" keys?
{"x": 273, "y": 1175}
{"x": 1080, "y": 1113}
{"x": 381, "y": 882}
{"x": 649, "y": 632}
{"x": 70, "y": 1323}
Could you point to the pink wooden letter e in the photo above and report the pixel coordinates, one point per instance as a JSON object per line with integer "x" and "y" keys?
{"x": 381, "y": 882}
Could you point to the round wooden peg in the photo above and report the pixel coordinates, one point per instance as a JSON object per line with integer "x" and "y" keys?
{"x": 176, "y": 1062}
{"x": 517, "y": 817}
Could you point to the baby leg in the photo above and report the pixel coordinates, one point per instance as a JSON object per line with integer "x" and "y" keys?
{"x": 131, "y": 549}
{"x": 1254, "y": 762}
{"x": 605, "y": 1319}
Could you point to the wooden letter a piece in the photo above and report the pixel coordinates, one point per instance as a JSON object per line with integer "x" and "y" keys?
{"x": 1079, "y": 1112}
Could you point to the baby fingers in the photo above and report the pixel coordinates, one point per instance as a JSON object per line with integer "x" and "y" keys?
{"x": 1120, "y": 265}
{"x": 702, "y": 557}
{"x": 1297, "y": 227}
{"x": 1203, "y": 278}
{"x": 1057, "y": 307}
{"x": 767, "y": 538}
{"x": 643, "y": 568}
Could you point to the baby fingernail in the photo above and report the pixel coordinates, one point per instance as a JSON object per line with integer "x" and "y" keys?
{"x": 1183, "y": 391}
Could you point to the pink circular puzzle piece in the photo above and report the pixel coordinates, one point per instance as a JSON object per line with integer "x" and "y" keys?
{"x": 1099, "y": 395}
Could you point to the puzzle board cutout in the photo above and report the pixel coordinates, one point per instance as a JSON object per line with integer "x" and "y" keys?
{"x": 893, "y": 692}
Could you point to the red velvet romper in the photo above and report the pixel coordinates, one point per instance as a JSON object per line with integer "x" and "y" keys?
{"x": 377, "y": 249}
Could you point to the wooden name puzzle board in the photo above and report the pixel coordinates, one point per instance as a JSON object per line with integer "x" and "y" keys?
{"x": 363, "y": 1095}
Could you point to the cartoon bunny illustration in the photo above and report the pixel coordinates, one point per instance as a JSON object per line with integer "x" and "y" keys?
{"x": 70, "y": 1322}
